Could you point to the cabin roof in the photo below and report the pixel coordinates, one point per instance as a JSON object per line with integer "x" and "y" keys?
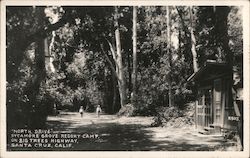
{"x": 210, "y": 68}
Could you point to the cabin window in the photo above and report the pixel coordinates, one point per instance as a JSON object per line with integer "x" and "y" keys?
{"x": 208, "y": 97}
{"x": 200, "y": 98}
{"x": 217, "y": 88}
{"x": 205, "y": 96}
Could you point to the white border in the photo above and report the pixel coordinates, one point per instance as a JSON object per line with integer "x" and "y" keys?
{"x": 31, "y": 154}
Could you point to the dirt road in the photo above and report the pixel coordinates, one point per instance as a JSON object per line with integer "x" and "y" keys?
{"x": 111, "y": 133}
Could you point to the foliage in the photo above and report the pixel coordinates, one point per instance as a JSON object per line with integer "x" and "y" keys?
{"x": 127, "y": 110}
{"x": 154, "y": 66}
{"x": 211, "y": 33}
{"x": 20, "y": 103}
{"x": 174, "y": 116}
{"x": 235, "y": 34}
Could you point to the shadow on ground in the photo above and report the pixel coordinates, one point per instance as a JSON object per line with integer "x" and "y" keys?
{"x": 114, "y": 135}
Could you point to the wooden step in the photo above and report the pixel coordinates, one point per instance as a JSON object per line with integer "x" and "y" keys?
{"x": 203, "y": 132}
{"x": 217, "y": 128}
{"x": 214, "y": 126}
{"x": 208, "y": 128}
{"x": 211, "y": 130}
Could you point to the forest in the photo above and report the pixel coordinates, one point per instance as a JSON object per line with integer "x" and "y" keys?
{"x": 132, "y": 60}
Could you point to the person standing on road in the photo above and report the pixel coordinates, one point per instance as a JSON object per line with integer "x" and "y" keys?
{"x": 55, "y": 110}
{"x": 98, "y": 110}
{"x": 81, "y": 111}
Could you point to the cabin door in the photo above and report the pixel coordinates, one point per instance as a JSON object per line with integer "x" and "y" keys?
{"x": 217, "y": 102}
{"x": 204, "y": 108}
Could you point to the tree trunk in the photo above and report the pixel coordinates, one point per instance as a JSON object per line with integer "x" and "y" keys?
{"x": 48, "y": 55}
{"x": 113, "y": 73}
{"x": 32, "y": 89}
{"x": 119, "y": 68}
{"x": 190, "y": 32}
{"x": 129, "y": 73}
{"x": 193, "y": 41}
{"x": 169, "y": 57}
{"x": 134, "y": 73}
{"x": 114, "y": 92}
{"x": 40, "y": 71}
{"x": 106, "y": 94}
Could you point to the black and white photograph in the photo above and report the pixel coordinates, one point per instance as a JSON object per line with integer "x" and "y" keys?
{"x": 124, "y": 78}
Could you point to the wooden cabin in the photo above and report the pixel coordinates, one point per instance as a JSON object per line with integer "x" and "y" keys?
{"x": 217, "y": 109}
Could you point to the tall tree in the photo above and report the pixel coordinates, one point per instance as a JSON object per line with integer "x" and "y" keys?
{"x": 134, "y": 73}
{"x": 189, "y": 33}
{"x": 118, "y": 59}
{"x": 170, "y": 55}
{"x": 193, "y": 40}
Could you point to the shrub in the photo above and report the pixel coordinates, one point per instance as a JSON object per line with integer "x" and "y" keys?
{"x": 127, "y": 110}
{"x": 174, "y": 116}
